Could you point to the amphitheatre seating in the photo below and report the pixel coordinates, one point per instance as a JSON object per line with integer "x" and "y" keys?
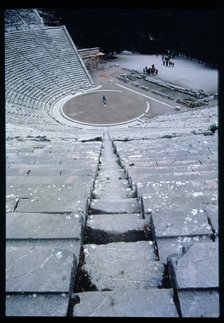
{"x": 51, "y": 170}
{"x": 37, "y": 72}
{"x": 48, "y": 186}
{"x": 193, "y": 121}
{"x": 22, "y": 19}
{"x": 173, "y": 162}
{"x": 166, "y": 168}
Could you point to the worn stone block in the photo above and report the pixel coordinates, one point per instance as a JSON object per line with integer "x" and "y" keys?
{"x": 36, "y": 304}
{"x": 191, "y": 268}
{"x": 116, "y": 206}
{"x": 127, "y": 302}
{"x": 121, "y": 264}
{"x": 169, "y": 222}
{"x": 199, "y": 303}
{"x": 168, "y": 246}
{"x": 40, "y": 266}
{"x": 43, "y": 226}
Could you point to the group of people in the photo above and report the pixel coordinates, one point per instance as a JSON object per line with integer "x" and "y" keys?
{"x": 166, "y": 58}
{"x": 150, "y": 70}
{"x": 167, "y": 62}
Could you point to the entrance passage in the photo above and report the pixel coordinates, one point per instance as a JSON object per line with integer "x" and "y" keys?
{"x": 121, "y": 106}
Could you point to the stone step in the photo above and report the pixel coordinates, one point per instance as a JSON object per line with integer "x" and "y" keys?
{"x": 37, "y": 304}
{"x": 167, "y": 246}
{"x": 130, "y": 302}
{"x": 112, "y": 173}
{"x": 40, "y": 266}
{"x": 48, "y": 170}
{"x": 169, "y": 222}
{"x": 13, "y": 159}
{"x": 16, "y": 181}
{"x": 159, "y": 162}
{"x": 202, "y": 199}
{"x": 105, "y": 228}
{"x": 106, "y": 179}
{"x": 212, "y": 212}
{"x": 191, "y": 269}
{"x": 180, "y": 143}
{"x": 75, "y": 149}
{"x": 169, "y": 169}
{"x": 49, "y": 160}
{"x": 204, "y": 160}
{"x": 164, "y": 158}
{"x": 154, "y": 147}
{"x": 47, "y": 198}
{"x": 43, "y": 226}
{"x": 167, "y": 187}
{"x": 128, "y": 205}
{"x": 64, "y": 161}
{"x": 110, "y": 192}
{"x": 112, "y": 187}
{"x": 199, "y": 303}
{"x": 172, "y": 176}
{"x": 184, "y": 140}
{"x": 178, "y": 154}
{"x": 122, "y": 265}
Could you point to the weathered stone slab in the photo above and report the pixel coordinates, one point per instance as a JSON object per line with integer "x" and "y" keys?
{"x": 138, "y": 163}
{"x": 58, "y": 189}
{"x": 199, "y": 303}
{"x": 191, "y": 268}
{"x": 40, "y": 266}
{"x": 48, "y": 159}
{"x": 123, "y": 264}
{"x": 11, "y": 202}
{"x": 158, "y": 188}
{"x": 129, "y": 302}
{"x": 59, "y": 159}
{"x": 36, "y": 170}
{"x": 14, "y": 158}
{"x": 17, "y": 170}
{"x": 50, "y": 198}
{"x": 168, "y": 246}
{"x": 105, "y": 228}
{"x": 46, "y": 204}
{"x": 185, "y": 201}
{"x": 88, "y": 170}
{"x": 212, "y": 212}
{"x": 109, "y": 187}
{"x": 172, "y": 175}
{"x": 47, "y": 180}
{"x": 116, "y": 222}
{"x": 169, "y": 222}
{"x": 116, "y": 206}
{"x": 37, "y": 304}
{"x": 186, "y": 161}
{"x": 43, "y": 226}
{"x": 19, "y": 149}
{"x": 139, "y": 168}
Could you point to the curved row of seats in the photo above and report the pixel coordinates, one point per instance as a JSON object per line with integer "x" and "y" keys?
{"x": 38, "y": 72}
{"x": 176, "y": 177}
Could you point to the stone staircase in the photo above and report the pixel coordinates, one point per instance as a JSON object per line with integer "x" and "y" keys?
{"x": 119, "y": 271}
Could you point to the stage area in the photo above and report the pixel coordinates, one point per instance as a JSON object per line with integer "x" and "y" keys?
{"x": 122, "y": 106}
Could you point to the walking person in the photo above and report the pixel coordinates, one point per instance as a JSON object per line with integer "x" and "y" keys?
{"x": 104, "y": 100}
